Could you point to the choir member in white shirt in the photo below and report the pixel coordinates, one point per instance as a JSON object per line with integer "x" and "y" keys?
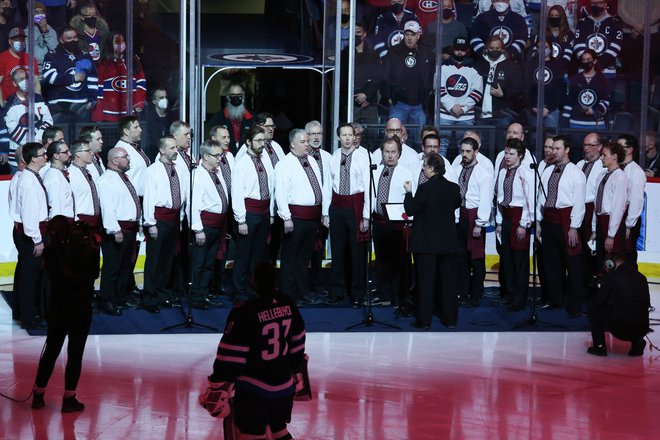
{"x": 165, "y": 196}
{"x": 220, "y": 134}
{"x": 315, "y": 132}
{"x": 50, "y": 135}
{"x": 515, "y": 204}
{"x": 94, "y": 138}
{"x": 608, "y": 221}
{"x": 121, "y": 213}
{"x": 476, "y": 190}
{"x": 636, "y": 187}
{"x": 253, "y": 203}
{"x": 392, "y": 257}
{"x": 30, "y": 229}
{"x": 349, "y": 218}
{"x": 513, "y": 131}
{"x": 593, "y": 169}
{"x": 409, "y": 157}
{"x": 208, "y": 221}
{"x": 130, "y": 136}
{"x": 85, "y": 191}
{"x": 12, "y": 197}
{"x": 482, "y": 160}
{"x": 303, "y": 200}
{"x": 560, "y": 213}
{"x": 56, "y": 180}
{"x": 548, "y": 160}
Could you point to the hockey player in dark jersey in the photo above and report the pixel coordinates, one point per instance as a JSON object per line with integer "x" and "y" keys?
{"x": 260, "y": 357}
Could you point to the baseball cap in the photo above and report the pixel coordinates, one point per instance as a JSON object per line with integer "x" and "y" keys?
{"x": 412, "y": 26}
{"x": 16, "y": 33}
{"x": 461, "y": 43}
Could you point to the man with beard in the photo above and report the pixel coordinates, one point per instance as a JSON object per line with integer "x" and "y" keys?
{"x": 235, "y": 116}
{"x": 94, "y": 138}
{"x": 165, "y": 196}
{"x": 121, "y": 212}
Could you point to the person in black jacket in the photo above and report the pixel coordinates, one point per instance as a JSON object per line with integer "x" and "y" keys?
{"x": 621, "y": 306}
{"x": 434, "y": 241}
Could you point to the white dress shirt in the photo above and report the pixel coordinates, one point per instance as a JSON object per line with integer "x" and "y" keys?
{"x": 597, "y": 172}
{"x": 396, "y": 192}
{"x": 409, "y": 157}
{"x": 479, "y": 192}
{"x": 324, "y": 165}
{"x": 31, "y": 205}
{"x": 276, "y": 147}
{"x": 206, "y": 196}
{"x": 157, "y": 191}
{"x": 526, "y": 161}
{"x": 116, "y": 201}
{"x": 94, "y": 171}
{"x": 292, "y": 186}
{"x": 450, "y": 171}
{"x": 180, "y": 163}
{"x": 636, "y": 186}
{"x": 245, "y": 184}
{"x": 570, "y": 192}
{"x": 82, "y": 191}
{"x": 60, "y": 196}
{"x": 138, "y": 167}
{"x": 615, "y": 194}
{"x": 12, "y": 196}
{"x": 523, "y": 194}
{"x": 359, "y": 175}
{"x": 482, "y": 161}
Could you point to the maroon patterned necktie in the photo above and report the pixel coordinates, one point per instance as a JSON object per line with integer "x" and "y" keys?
{"x": 226, "y": 171}
{"x": 464, "y": 181}
{"x": 264, "y": 193}
{"x": 312, "y": 179}
{"x": 272, "y": 154}
{"x": 92, "y": 188}
{"x": 508, "y": 186}
{"x": 175, "y": 187}
{"x": 601, "y": 190}
{"x": 137, "y": 147}
{"x": 65, "y": 172}
{"x": 131, "y": 190}
{"x": 186, "y": 157}
{"x": 553, "y": 186}
{"x": 383, "y": 192}
{"x": 97, "y": 163}
{"x": 587, "y": 167}
{"x": 221, "y": 190}
{"x": 345, "y": 174}
{"x": 316, "y": 154}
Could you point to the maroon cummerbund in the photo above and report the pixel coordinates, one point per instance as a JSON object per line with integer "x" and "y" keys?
{"x": 258, "y": 207}
{"x": 301, "y": 212}
{"x": 167, "y": 214}
{"x": 212, "y": 219}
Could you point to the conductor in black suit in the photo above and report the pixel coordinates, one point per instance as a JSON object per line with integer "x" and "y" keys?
{"x": 434, "y": 241}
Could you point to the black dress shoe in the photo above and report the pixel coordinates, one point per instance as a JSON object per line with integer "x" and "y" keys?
{"x": 71, "y": 404}
{"x": 38, "y": 401}
{"x": 109, "y": 308}
{"x": 597, "y": 350}
{"x": 214, "y": 301}
{"x": 128, "y": 303}
{"x": 415, "y": 323}
{"x": 637, "y": 348}
{"x": 151, "y": 309}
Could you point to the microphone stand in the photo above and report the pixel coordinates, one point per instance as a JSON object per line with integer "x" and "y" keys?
{"x": 533, "y": 321}
{"x": 368, "y": 318}
{"x": 189, "y": 320}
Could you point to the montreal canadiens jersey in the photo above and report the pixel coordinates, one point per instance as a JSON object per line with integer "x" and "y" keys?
{"x": 594, "y": 94}
{"x": 262, "y": 346}
{"x": 604, "y": 37}
{"x": 459, "y": 85}
{"x": 113, "y": 84}
{"x": 60, "y": 86}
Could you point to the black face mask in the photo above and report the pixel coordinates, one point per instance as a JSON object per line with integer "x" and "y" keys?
{"x": 494, "y": 54}
{"x": 587, "y": 66}
{"x": 358, "y": 40}
{"x": 459, "y": 58}
{"x": 236, "y": 100}
{"x": 90, "y": 21}
{"x": 447, "y": 14}
{"x": 596, "y": 10}
{"x": 345, "y": 18}
{"x": 396, "y": 8}
{"x": 71, "y": 46}
{"x": 554, "y": 21}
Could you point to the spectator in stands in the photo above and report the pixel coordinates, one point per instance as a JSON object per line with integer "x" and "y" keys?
{"x": 588, "y": 95}
{"x": 45, "y": 37}
{"x": 559, "y": 34}
{"x": 369, "y": 75}
{"x": 502, "y": 84}
{"x": 410, "y": 69}
{"x": 584, "y": 7}
{"x": 113, "y": 83}
{"x": 6, "y": 22}
{"x": 70, "y": 80}
{"x": 234, "y": 116}
{"x": 632, "y": 14}
{"x": 158, "y": 118}
{"x": 461, "y": 89}
{"x": 92, "y": 30}
{"x": 16, "y": 117}
{"x": 12, "y": 58}
{"x": 554, "y": 87}
{"x": 389, "y": 26}
{"x": 345, "y": 27}
{"x": 451, "y": 29}
{"x": 651, "y": 154}
{"x": 500, "y": 21}
{"x": 517, "y": 6}
{"x": 57, "y": 11}
{"x": 602, "y": 33}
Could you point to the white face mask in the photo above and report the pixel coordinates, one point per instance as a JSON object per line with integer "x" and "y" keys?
{"x": 22, "y": 85}
{"x": 501, "y": 7}
{"x": 162, "y": 103}
{"x": 18, "y": 46}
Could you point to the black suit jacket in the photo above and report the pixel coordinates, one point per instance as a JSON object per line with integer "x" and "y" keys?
{"x": 434, "y": 225}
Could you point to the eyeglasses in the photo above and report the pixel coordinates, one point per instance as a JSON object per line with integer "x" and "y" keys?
{"x": 393, "y": 130}
{"x": 315, "y": 134}
{"x": 215, "y": 155}
{"x": 64, "y": 152}
{"x": 44, "y": 154}
{"x": 85, "y": 150}
{"x": 259, "y": 141}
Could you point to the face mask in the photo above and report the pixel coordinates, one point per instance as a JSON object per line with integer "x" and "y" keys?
{"x": 554, "y": 21}
{"x": 70, "y": 46}
{"x": 120, "y": 48}
{"x": 236, "y": 100}
{"x": 447, "y": 14}
{"x": 358, "y": 40}
{"x": 162, "y": 103}
{"x": 90, "y": 21}
{"x": 18, "y": 46}
{"x": 459, "y": 58}
{"x": 494, "y": 54}
{"x": 345, "y": 18}
{"x": 588, "y": 65}
{"x": 397, "y": 8}
{"x": 596, "y": 10}
{"x": 22, "y": 85}
{"x": 501, "y": 7}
